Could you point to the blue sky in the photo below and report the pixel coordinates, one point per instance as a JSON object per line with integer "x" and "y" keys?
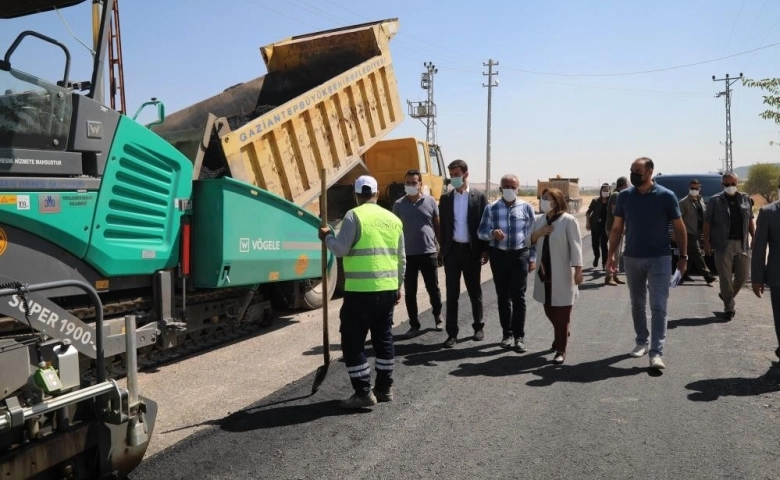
{"x": 591, "y": 127}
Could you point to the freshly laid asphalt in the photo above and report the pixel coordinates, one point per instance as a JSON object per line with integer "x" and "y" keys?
{"x": 479, "y": 411}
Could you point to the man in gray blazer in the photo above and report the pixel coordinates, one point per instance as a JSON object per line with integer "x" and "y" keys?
{"x": 765, "y": 270}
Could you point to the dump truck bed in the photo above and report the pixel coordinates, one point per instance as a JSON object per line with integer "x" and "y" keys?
{"x": 326, "y": 99}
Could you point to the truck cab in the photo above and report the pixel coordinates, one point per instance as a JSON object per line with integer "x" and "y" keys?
{"x": 389, "y": 160}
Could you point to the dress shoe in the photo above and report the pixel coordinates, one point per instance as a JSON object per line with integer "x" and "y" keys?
{"x": 450, "y": 342}
{"x": 479, "y": 335}
{"x": 610, "y": 281}
{"x": 618, "y": 281}
{"x": 559, "y": 358}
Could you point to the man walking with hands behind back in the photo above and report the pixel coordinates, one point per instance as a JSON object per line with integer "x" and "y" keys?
{"x": 462, "y": 250}
{"x": 645, "y": 210}
{"x": 419, "y": 214}
{"x": 692, "y": 209}
{"x": 727, "y": 223}
{"x": 371, "y": 241}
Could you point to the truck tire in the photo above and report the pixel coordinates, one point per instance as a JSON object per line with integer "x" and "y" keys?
{"x": 313, "y": 297}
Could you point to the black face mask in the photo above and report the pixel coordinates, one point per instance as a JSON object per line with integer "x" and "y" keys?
{"x": 636, "y": 179}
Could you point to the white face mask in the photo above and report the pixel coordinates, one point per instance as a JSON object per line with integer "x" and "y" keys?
{"x": 545, "y": 206}
{"x": 411, "y": 191}
{"x": 509, "y": 194}
{"x": 604, "y": 194}
{"x": 730, "y": 190}
{"x": 693, "y": 193}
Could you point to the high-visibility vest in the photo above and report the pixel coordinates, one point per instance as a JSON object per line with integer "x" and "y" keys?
{"x": 372, "y": 264}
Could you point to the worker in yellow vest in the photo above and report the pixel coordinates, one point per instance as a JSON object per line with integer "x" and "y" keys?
{"x": 371, "y": 242}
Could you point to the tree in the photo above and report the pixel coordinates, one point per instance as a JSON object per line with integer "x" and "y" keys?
{"x": 762, "y": 180}
{"x": 772, "y": 87}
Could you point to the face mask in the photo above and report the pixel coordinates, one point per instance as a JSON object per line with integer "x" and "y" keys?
{"x": 509, "y": 194}
{"x": 731, "y": 190}
{"x": 604, "y": 194}
{"x": 546, "y": 206}
{"x": 411, "y": 191}
{"x": 693, "y": 193}
{"x": 636, "y": 179}
{"x": 456, "y": 182}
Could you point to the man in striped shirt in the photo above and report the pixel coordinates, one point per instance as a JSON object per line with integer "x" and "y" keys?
{"x": 507, "y": 224}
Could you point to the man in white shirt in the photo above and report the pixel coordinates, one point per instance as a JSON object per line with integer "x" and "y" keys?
{"x": 462, "y": 251}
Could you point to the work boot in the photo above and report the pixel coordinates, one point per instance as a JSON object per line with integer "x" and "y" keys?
{"x": 383, "y": 396}
{"x": 356, "y": 401}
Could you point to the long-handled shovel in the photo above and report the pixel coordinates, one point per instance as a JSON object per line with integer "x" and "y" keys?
{"x": 322, "y": 370}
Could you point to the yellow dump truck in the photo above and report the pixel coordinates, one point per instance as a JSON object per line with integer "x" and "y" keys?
{"x": 327, "y": 98}
{"x": 569, "y": 186}
{"x": 389, "y": 160}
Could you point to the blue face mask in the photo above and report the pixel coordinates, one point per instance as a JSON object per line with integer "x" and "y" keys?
{"x": 457, "y": 182}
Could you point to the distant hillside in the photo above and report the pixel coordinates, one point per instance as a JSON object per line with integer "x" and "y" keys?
{"x": 742, "y": 172}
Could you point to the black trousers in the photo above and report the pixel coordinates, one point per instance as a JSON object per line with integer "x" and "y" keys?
{"x": 426, "y": 264}
{"x": 462, "y": 260}
{"x": 510, "y": 275}
{"x": 774, "y": 294}
{"x": 361, "y": 313}
{"x": 697, "y": 259}
{"x": 599, "y": 239}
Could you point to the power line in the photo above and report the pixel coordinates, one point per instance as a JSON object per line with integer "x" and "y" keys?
{"x": 644, "y": 72}
{"x": 736, "y": 20}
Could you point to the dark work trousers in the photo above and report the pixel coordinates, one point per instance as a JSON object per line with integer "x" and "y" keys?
{"x": 599, "y": 239}
{"x": 360, "y": 313}
{"x": 560, "y": 317}
{"x": 697, "y": 259}
{"x": 510, "y": 276}
{"x": 427, "y": 265}
{"x": 774, "y": 294}
{"x": 461, "y": 259}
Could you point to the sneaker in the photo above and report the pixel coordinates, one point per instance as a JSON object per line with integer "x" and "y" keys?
{"x": 656, "y": 362}
{"x": 506, "y": 342}
{"x": 356, "y": 401}
{"x": 479, "y": 335}
{"x": 450, "y": 342}
{"x": 520, "y": 346}
{"x": 439, "y": 324}
{"x": 383, "y": 397}
{"x": 413, "y": 332}
{"x": 639, "y": 351}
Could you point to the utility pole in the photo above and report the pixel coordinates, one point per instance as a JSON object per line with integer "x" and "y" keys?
{"x": 728, "y": 162}
{"x": 490, "y": 73}
{"x": 426, "y": 111}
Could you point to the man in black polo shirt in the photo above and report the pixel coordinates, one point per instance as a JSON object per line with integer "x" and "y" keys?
{"x": 727, "y": 223}
{"x": 645, "y": 210}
